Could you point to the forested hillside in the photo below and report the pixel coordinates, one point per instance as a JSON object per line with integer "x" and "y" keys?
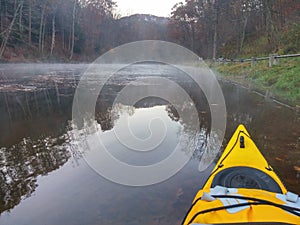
{"x": 84, "y": 29}
{"x": 227, "y": 27}
{"x": 53, "y": 27}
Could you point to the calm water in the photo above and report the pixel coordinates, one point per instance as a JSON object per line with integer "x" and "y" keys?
{"x": 44, "y": 179}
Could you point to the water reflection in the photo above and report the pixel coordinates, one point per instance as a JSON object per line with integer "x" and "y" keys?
{"x": 38, "y": 153}
{"x": 158, "y": 125}
{"x": 31, "y": 142}
{"x": 37, "y": 136}
{"x": 21, "y": 163}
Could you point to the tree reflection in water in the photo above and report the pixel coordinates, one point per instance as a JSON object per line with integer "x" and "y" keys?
{"x": 21, "y": 163}
{"x": 191, "y": 139}
{"x": 34, "y": 140}
{"x": 37, "y": 136}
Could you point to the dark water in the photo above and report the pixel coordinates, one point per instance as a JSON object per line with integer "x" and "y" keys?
{"x": 44, "y": 179}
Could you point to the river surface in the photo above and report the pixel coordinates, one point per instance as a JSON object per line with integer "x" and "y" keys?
{"x": 45, "y": 180}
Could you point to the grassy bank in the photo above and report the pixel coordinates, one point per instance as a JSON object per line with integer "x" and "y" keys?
{"x": 281, "y": 81}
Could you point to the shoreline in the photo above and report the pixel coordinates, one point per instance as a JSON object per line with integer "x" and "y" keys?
{"x": 244, "y": 82}
{"x": 280, "y": 83}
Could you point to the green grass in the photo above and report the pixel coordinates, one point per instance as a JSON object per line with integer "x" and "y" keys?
{"x": 283, "y": 80}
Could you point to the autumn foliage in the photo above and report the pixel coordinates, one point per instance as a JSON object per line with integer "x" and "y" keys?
{"x": 213, "y": 28}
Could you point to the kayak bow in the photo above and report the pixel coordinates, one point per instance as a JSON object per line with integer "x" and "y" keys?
{"x": 243, "y": 189}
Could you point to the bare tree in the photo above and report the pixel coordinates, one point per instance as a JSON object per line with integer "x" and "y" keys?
{"x": 42, "y": 24}
{"x": 6, "y": 34}
{"x": 53, "y": 33}
{"x": 73, "y": 29}
{"x": 269, "y": 23}
{"x": 21, "y": 18}
{"x": 29, "y": 21}
{"x": 215, "y": 23}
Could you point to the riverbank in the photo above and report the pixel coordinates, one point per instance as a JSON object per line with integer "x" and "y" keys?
{"x": 280, "y": 82}
{"x": 31, "y": 55}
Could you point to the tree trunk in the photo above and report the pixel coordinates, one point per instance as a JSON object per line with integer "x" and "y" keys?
{"x": 21, "y": 18}
{"x": 268, "y": 21}
{"x": 192, "y": 36}
{"x": 243, "y": 33}
{"x": 1, "y": 18}
{"x": 29, "y": 22}
{"x": 63, "y": 38}
{"x": 70, "y": 39}
{"x": 53, "y": 34}
{"x": 7, "y": 33}
{"x": 215, "y": 25}
{"x": 73, "y": 30}
{"x": 41, "y": 28}
{"x": 43, "y": 36}
{"x": 214, "y": 54}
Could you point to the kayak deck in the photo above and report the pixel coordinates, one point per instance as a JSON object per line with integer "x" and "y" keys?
{"x": 243, "y": 188}
{"x": 242, "y": 159}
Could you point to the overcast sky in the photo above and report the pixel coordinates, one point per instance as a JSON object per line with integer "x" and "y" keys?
{"x": 154, "y": 7}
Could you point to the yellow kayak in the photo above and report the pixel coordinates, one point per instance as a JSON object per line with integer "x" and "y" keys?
{"x": 243, "y": 189}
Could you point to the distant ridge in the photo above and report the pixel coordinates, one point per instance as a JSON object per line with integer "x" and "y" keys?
{"x": 141, "y": 27}
{"x": 146, "y": 18}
